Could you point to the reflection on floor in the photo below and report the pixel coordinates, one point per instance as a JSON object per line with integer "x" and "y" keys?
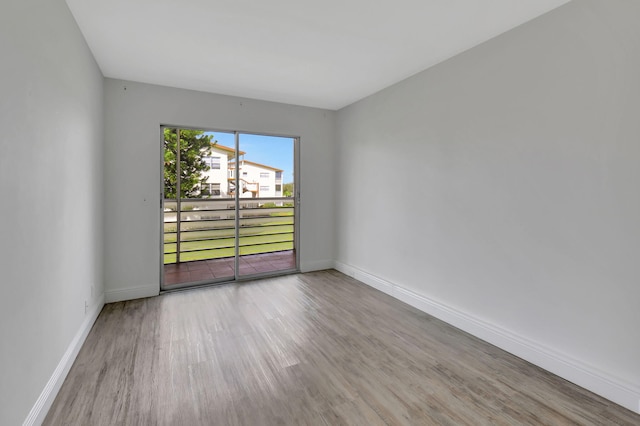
{"x": 215, "y": 269}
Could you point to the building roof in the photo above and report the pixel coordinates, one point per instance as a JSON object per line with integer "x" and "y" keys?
{"x": 226, "y": 148}
{"x": 232, "y": 165}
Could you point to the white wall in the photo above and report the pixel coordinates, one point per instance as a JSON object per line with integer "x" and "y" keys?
{"x": 51, "y": 232}
{"x": 133, "y": 115}
{"x": 515, "y": 190}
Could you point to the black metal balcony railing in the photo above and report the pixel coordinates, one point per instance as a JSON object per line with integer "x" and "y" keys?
{"x": 206, "y": 228}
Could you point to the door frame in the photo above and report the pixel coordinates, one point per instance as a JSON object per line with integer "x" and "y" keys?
{"x": 296, "y": 211}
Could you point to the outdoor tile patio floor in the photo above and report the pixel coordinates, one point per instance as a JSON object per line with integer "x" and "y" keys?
{"x": 215, "y": 269}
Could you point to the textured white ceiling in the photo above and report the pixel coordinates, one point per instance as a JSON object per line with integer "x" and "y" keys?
{"x": 325, "y": 54}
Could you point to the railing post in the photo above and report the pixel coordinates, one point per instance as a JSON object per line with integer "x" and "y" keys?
{"x": 236, "y": 260}
{"x": 178, "y": 197}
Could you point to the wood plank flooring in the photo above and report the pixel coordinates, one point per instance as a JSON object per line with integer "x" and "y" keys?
{"x": 307, "y": 349}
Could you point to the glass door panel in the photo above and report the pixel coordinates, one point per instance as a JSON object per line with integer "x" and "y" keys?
{"x": 265, "y": 175}
{"x": 199, "y": 230}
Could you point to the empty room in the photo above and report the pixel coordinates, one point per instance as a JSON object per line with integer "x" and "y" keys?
{"x": 344, "y": 212}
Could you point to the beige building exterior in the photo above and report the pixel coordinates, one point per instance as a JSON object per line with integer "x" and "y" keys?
{"x": 256, "y": 180}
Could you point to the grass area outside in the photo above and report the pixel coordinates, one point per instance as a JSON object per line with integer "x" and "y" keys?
{"x": 228, "y": 252}
{"x": 228, "y": 242}
{"x": 224, "y": 224}
{"x": 215, "y": 239}
{"x": 228, "y": 233}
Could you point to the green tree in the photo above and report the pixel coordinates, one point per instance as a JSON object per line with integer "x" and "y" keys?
{"x": 287, "y": 189}
{"x": 194, "y": 145}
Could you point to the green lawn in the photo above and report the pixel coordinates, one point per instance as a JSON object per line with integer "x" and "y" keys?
{"x": 229, "y": 233}
{"x": 259, "y": 236}
{"x": 228, "y": 252}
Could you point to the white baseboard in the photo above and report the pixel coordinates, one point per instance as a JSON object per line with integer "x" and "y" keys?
{"x": 316, "y": 265}
{"x": 132, "y": 293}
{"x": 599, "y": 382}
{"x": 48, "y": 395}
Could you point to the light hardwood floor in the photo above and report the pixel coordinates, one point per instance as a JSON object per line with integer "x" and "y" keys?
{"x": 317, "y": 348}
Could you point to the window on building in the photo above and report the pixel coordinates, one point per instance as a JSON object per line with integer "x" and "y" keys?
{"x": 245, "y": 173}
{"x": 264, "y": 175}
{"x": 264, "y": 187}
{"x": 209, "y": 189}
{"x": 278, "y": 175}
{"x": 214, "y": 163}
{"x": 278, "y": 188}
{"x": 204, "y": 189}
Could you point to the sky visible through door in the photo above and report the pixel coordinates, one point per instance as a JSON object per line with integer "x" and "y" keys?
{"x": 275, "y": 151}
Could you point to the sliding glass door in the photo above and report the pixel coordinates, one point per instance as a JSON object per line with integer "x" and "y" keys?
{"x": 264, "y": 174}
{"x": 228, "y": 207}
